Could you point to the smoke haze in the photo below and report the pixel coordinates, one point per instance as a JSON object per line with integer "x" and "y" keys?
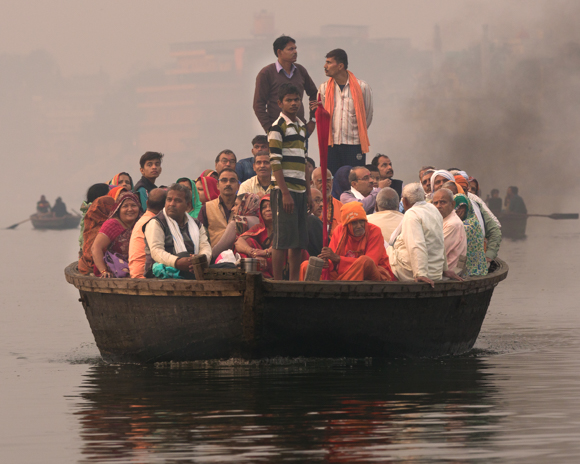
{"x": 79, "y": 86}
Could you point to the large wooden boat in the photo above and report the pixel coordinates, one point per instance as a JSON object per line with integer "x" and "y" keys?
{"x": 238, "y": 314}
{"x": 49, "y": 221}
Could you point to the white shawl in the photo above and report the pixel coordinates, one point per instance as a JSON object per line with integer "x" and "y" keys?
{"x": 178, "y": 242}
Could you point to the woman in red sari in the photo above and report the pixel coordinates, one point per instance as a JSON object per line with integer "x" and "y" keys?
{"x": 111, "y": 246}
{"x": 207, "y": 188}
{"x": 357, "y": 249}
{"x": 257, "y": 242}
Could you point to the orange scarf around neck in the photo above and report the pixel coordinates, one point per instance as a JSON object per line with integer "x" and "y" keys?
{"x": 359, "y": 108}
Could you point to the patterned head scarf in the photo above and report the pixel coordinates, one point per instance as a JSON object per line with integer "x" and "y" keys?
{"x": 122, "y": 198}
{"x": 208, "y": 173}
{"x": 249, "y": 206}
{"x": 476, "y": 263}
{"x": 195, "y": 201}
{"x": 210, "y": 189}
{"x": 473, "y": 179}
{"x": 116, "y": 191}
{"x": 115, "y": 180}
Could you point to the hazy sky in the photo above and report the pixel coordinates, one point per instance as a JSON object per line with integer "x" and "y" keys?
{"x": 119, "y": 36}
{"x": 85, "y": 35}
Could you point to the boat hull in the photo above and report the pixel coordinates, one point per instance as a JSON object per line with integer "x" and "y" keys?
{"x": 55, "y": 223}
{"x": 143, "y": 321}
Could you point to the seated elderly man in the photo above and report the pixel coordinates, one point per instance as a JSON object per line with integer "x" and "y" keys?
{"x": 357, "y": 250}
{"x": 453, "y": 228}
{"x": 418, "y": 251}
{"x": 173, "y": 236}
{"x": 388, "y": 217}
{"x": 333, "y": 206}
{"x": 361, "y": 189}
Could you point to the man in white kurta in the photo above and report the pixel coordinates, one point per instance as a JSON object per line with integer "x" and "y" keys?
{"x": 418, "y": 252}
{"x": 453, "y": 228}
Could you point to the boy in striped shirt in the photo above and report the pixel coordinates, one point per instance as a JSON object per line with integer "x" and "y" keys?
{"x": 291, "y": 197}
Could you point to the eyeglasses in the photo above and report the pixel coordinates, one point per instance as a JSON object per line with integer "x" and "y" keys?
{"x": 227, "y": 161}
{"x": 364, "y": 178}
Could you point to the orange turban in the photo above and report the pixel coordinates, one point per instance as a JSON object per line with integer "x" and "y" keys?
{"x": 460, "y": 180}
{"x": 352, "y": 211}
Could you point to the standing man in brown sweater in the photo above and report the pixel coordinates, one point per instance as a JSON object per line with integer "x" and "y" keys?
{"x": 284, "y": 71}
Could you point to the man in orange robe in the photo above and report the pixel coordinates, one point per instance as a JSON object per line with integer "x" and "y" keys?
{"x": 357, "y": 249}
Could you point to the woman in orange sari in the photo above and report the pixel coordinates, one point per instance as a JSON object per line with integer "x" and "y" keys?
{"x": 357, "y": 249}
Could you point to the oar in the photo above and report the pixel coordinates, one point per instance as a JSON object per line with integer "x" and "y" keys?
{"x": 14, "y": 226}
{"x": 557, "y": 215}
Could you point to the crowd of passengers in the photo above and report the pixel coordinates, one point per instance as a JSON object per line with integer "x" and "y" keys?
{"x": 269, "y": 206}
{"x": 439, "y": 227}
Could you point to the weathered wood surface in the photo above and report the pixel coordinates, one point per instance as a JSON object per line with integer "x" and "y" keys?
{"x": 56, "y": 223}
{"x": 222, "y": 283}
{"x": 147, "y": 320}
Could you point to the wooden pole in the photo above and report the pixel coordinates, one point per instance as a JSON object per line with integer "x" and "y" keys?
{"x": 252, "y": 314}
{"x": 199, "y": 263}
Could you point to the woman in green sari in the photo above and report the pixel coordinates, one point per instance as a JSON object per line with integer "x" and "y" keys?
{"x": 195, "y": 201}
{"x": 476, "y": 264}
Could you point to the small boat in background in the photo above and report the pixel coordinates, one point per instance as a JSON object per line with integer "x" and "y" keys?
{"x": 50, "y": 221}
{"x": 513, "y": 225}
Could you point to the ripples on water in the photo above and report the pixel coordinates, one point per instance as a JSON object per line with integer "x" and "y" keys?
{"x": 514, "y": 398}
{"x": 335, "y": 411}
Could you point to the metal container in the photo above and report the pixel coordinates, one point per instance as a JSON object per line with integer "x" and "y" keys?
{"x": 249, "y": 264}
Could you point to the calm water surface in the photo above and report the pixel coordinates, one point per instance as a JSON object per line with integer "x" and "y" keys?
{"x": 515, "y": 398}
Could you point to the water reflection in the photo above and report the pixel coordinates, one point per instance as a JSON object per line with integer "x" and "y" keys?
{"x": 335, "y": 412}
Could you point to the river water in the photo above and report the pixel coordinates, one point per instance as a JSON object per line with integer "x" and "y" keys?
{"x": 514, "y": 398}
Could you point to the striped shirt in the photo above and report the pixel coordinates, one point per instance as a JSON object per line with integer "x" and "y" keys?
{"x": 344, "y": 125}
{"x": 286, "y": 140}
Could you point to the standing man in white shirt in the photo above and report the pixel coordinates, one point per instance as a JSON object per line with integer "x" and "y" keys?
{"x": 350, "y": 103}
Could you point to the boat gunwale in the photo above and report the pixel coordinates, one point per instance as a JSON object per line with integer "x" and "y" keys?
{"x": 235, "y": 286}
